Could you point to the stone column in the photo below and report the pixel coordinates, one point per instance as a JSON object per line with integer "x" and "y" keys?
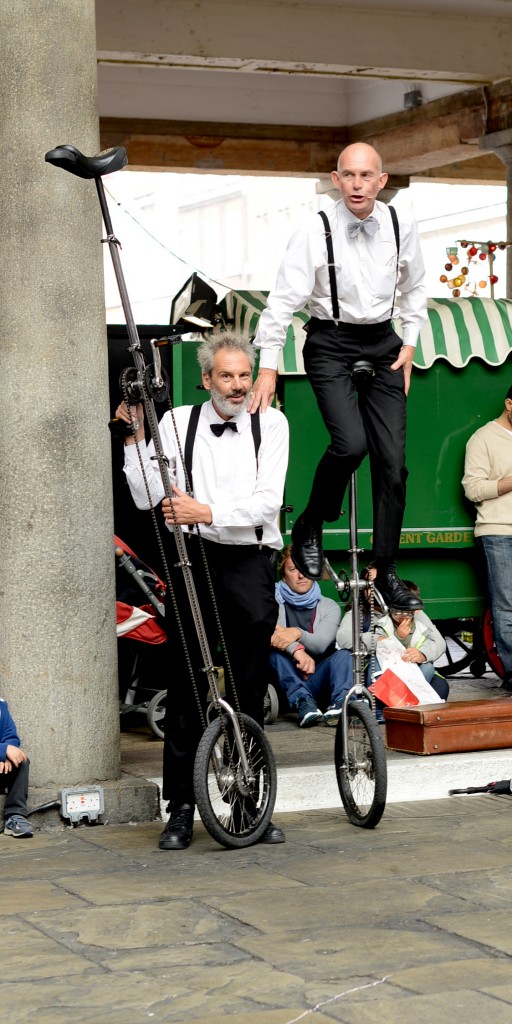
{"x": 58, "y": 667}
{"x": 501, "y": 144}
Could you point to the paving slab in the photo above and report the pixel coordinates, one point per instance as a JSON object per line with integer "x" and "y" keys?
{"x": 409, "y": 922}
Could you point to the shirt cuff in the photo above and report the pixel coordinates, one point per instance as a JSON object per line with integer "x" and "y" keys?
{"x": 269, "y": 359}
{"x": 490, "y": 489}
{"x": 410, "y": 335}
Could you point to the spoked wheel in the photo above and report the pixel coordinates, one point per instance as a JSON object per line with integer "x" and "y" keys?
{"x": 155, "y": 713}
{"x": 362, "y": 780}
{"x": 235, "y": 809}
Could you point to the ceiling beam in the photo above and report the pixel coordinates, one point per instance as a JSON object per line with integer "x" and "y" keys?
{"x": 442, "y": 134}
{"x": 484, "y": 170}
{"x": 307, "y": 37}
{"x": 224, "y": 148}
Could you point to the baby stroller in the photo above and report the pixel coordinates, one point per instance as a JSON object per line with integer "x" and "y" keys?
{"x": 140, "y": 612}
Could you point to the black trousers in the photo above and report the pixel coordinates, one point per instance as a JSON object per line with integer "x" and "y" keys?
{"x": 15, "y": 785}
{"x": 372, "y": 422}
{"x": 244, "y": 586}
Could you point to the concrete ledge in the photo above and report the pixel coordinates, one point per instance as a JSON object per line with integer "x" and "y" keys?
{"x": 127, "y": 799}
{"x": 409, "y": 778}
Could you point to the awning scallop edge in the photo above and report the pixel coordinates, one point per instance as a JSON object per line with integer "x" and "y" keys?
{"x": 457, "y": 330}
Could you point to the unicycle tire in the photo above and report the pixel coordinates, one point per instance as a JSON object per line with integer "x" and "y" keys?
{"x": 235, "y": 811}
{"x": 362, "y": 781}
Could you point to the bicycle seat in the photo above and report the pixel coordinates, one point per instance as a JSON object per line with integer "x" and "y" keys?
{"x": 71, "y": 159}
{"x": 362, "y": 371}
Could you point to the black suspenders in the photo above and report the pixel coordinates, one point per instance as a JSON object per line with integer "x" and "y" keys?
{"x": 331, "y": 266}
{"x": 195, "y": 413}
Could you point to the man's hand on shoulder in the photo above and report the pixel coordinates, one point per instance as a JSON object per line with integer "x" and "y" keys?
{"x": 404, "y": 360}
{"x": 262, "y": 391}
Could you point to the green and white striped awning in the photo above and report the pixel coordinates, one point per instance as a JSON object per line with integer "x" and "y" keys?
{"x": 457, "y": 330}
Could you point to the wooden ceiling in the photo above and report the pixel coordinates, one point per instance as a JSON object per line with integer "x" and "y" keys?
{"x": 437, "y": 141}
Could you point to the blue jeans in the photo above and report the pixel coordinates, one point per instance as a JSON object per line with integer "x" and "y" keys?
{"x": 328, "y": 684}
{"x": 498, "y": 555}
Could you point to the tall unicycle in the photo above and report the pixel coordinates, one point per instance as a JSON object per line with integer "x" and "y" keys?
{"x": 359, "y": 751}
{"x": 235, "y": 775}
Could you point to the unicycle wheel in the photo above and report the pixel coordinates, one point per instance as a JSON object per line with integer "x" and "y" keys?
{"x": 362, "y": 777}
{"x": 235, "y": 808}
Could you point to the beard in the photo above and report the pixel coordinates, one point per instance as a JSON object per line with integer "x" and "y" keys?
{"x": 224, "y": 405}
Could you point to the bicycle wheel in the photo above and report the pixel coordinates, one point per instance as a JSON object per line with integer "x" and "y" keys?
{"x": 235, "y": 809}
{"x": 155, "y": 713}
{"x": 362, "y": 779}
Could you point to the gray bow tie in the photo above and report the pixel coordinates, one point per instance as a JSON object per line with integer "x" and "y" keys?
{"x": 370, "y": 226}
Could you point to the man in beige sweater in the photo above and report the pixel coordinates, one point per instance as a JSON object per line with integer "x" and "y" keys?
{"x": 487, "y": 482}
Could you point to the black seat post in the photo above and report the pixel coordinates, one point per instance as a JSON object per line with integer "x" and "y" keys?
{"x": 362, "y": 372}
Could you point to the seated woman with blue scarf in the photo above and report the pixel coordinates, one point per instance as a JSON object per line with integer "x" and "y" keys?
{"x": 310, "y": 672}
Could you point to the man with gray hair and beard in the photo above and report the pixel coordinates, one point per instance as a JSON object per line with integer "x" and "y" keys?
{"x": 236, "y": 466}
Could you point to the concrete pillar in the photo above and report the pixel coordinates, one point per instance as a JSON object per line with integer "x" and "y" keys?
{"x": 501, "y": 144}
{"x": 57, "y": 599}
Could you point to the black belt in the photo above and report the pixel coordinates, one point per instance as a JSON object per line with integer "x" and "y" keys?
{"x": 316, "y": 324}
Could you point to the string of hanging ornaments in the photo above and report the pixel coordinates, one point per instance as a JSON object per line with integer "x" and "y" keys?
{"x": 469, "y": 279}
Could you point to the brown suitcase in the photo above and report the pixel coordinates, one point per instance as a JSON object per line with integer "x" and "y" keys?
{"x": 450, "y": 728}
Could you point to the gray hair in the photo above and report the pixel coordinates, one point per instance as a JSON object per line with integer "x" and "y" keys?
{"x": 225, "y": 339}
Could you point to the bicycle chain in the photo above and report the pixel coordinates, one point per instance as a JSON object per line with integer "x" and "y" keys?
{"x": 228, "y": 673}
{"x": 195, "y": 612}
{"x": 227, "y": 664}
{"x": 371, "y": 603}
{"x": 161, "y": 548}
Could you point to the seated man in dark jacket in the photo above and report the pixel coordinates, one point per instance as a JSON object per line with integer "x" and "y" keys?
{"x": 309, "y": 670}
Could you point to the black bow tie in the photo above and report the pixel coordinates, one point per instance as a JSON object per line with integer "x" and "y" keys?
{"x": 219, "y": 428}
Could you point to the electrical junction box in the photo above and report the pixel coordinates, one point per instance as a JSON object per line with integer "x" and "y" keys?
{"x": 82, "y": 802}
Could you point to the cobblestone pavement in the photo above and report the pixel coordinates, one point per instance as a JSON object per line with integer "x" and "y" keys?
{"x": 406, "y": 923}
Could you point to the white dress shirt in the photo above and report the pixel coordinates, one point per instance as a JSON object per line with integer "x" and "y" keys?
{"x": 224, "y": 473}
{"x": 366, "y": 275}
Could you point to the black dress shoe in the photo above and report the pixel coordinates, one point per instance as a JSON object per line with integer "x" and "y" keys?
{"x": 306, "y": 551}
{"x": 395, "y": 593}
{"x": 178, "y": 831}
{"x": 272, "y": 834}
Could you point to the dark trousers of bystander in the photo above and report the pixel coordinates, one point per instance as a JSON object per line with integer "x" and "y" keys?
{"x": 243, "y": 582}
{"x": 15, "y": 785}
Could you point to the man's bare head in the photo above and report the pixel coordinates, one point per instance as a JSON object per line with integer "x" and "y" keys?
{"x": 359, "y": 178}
